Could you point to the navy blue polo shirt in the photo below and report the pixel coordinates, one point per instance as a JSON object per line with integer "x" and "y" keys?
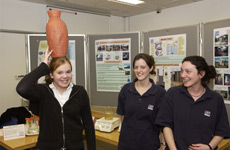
{"x": 192, "y": 121}
{"x": 138, "y": 131}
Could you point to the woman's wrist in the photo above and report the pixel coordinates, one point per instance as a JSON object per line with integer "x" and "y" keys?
{"x": 210, "y": 147}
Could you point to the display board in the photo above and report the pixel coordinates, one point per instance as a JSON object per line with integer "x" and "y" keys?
{"x": 35, "y": 44}
{"x": 169, "y": 47}
{"x": 208, "y": 44}
{"x": 192, "y": 37}
{"x": 102, "y": 97}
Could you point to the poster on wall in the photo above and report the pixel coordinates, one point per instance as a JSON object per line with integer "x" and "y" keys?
{"x": 168, "y": 49}
{"x": 70, "y": 54}
{"x": 113, "y": 68}
{"x": 167, "y": 75}
{"x": 221, "y": 57}
{"x": 168, "y": 52}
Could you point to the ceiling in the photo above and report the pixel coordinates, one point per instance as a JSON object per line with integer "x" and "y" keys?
{"x": 105, "y": 7}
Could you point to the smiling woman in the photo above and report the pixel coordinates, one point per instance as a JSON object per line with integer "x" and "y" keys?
{"x": 64, "y": 108}
{"x": 138, "y": 103}
{"x": 193, "y": 116}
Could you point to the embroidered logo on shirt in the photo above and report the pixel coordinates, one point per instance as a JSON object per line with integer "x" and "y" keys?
{"x": 207, "y": 113}
{"x": 150, "y": 107}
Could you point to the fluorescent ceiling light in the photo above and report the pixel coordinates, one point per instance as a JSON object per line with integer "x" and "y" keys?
{"x": 129, "y": 2}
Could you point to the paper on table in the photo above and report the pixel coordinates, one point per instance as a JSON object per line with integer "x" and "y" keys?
{"x": 13, "y": 131}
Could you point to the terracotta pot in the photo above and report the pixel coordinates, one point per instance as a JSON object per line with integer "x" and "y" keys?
{"x": 57, "y": 34}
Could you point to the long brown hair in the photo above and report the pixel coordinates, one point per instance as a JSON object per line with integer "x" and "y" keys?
{"x": 54, "y": 64}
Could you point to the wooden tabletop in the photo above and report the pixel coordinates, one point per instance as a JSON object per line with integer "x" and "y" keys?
{"x": 111, "y": 138}
{"x": 30, "y": 141}
{"x": 19, "y": 144}
{"x": 224, "y": 145}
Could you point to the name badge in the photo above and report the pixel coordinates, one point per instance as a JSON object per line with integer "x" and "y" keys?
{"x": 150, "y": 107}
{"x": 207, "y": 113}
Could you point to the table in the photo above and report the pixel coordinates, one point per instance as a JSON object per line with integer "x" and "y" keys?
{"x": 111, "y": 138}
{"x": 224, "y": 145}
{"x": 19, "y": 144}
{"x": 30, "y": 141}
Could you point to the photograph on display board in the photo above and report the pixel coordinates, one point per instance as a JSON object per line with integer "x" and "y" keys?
{"x": 124, "y": 47}
{"x": 221, "y": 62}
{"x": 219, "y": 79}
{"x": 168, "y": 76}
{"x": 176, "y": 78}
{"x": 226, "y": 79}
{"x": 221, "y": 51}
{"x": 99, "y": 57}
{"x": 125, "y": 56}
{"x": 109, "y": 47}
{"x": 100, "y": 48}
{"x": 222, "y": 93}
{"x": 228, "y": 99}
{"x": 221, "y": 39}
{"x": 116, "y": 47}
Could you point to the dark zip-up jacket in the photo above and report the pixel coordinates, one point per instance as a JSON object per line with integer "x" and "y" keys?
{"x": 59, "y": 126}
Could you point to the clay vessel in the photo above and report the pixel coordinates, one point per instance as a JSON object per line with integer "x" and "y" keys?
{"x": 57, "y": 34}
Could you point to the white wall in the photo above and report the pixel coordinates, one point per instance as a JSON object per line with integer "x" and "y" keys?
{"x": 190, "y": 14}
{"x": 12, "y": 63}
{"x": 83, "y": 23}
{"x": 18, "y": 17}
